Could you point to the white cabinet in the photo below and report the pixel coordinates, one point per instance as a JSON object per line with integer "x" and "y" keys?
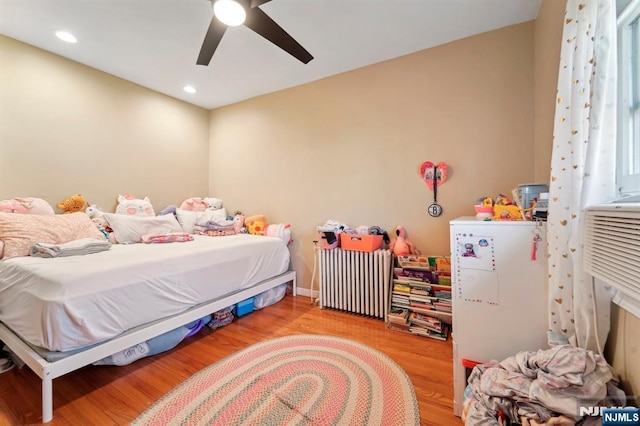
{"x": 499, "y": 292}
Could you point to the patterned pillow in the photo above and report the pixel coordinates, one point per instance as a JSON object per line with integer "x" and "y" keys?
{"x": 19, "y": 232}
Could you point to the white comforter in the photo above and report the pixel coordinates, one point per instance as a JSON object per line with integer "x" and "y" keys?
{"x": 66, "y": 303}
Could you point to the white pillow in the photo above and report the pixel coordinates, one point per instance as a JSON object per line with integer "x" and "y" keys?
{"x": 188, "y": 219}
{"x": 130, "y": 229}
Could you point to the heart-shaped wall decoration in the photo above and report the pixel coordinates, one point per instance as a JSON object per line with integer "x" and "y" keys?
{"x": 427, "y": 169}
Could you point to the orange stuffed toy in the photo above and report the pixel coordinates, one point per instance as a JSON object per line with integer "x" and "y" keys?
{"x": 75, "y": 203}
{"x": 256, "y": 224}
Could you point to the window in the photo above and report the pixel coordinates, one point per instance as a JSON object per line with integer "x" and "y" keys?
{"x": 628, "y": 152}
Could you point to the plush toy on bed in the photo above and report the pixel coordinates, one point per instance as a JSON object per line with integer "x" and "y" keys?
{"x": 171, "y": 209}
{"x": 93, "y": 211}
{"x": 26, "y": 205}
{"x": 134, "y": 206}
{"x": 401, "y": 246}
{"x": 212, "y": 203}
{"x": 280, "y": 230}
{"x": 238, "y": 223}
{"x": 195, "y": 204}
{"x": 75, "y": 203}
{"x": 256, "y": 224}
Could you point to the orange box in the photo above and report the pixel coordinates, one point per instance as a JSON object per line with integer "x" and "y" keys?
{"x": 357, "y": 242}
{"x": 324, "y": 244}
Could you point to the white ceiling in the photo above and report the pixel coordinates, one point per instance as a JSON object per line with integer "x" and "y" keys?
{"x": 155, "y": 43}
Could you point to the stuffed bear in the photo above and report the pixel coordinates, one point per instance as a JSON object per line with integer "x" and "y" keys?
{"x": 195, "y": 204}
{"x": 256, "y": 224}
{"x": 134, "y": 206}
{"x": 212, "y": 203}
{"x": 75, "y": 203}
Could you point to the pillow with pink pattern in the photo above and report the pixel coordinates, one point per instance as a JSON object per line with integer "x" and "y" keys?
{"x": 19, "y": 232}
{"x": 26, "y": 205}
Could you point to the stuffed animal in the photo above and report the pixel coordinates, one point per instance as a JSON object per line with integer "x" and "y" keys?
{"x": 238, "y": 223}
{"x": 102, "y": 225}
{"x": 256, "y": 224}
{"x": 212, "y": 203}
{"x": 134, "y": 206}
{"x": 168, "y": 210}
{"x": 93, "y": 211}
{"x": 279, "y": 230}
{"x": 401, "y": 246}
{"x": 195, "y": 204}
{"x": 75, "y": 203}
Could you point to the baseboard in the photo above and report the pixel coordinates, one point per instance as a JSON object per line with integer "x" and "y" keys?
{"x": 308, "y": 293}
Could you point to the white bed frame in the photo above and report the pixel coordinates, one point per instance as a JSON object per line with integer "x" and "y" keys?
{"x": 48, "y": 371}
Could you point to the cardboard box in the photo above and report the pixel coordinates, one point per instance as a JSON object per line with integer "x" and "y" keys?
{"x": 245, "y": 307}
{"x": 357, "y": 242}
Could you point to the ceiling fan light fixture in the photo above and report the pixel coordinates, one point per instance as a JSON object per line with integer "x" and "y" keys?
{"x": 229, "y": 12}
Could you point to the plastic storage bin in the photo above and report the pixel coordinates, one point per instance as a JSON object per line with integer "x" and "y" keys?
{"x": 357, "y": 242}
{"x": 245, "y": 307}
{"x": 328, "y": 240}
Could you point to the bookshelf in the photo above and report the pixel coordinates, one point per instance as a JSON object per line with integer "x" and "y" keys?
{"x": 421, "y": 296}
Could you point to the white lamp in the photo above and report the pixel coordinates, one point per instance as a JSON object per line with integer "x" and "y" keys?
{"x": 229, "y": 12}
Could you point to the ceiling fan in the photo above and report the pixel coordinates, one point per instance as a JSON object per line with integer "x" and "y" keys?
{"x": 247, "y": 12}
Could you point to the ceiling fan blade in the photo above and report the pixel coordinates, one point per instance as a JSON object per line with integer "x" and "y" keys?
{"x": 211, "y": 40}
{"x": 256, "y": 3}
{"x": 260, "y": 22}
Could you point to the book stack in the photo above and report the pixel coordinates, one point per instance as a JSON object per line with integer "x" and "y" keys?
{"x": 398, "y": 318}
{"x": 421, "y": 296}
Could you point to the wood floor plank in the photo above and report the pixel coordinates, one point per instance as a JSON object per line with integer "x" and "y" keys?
{"x": 109, "y": 395}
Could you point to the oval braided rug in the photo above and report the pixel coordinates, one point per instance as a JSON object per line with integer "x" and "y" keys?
{"x": 301, "y": 379}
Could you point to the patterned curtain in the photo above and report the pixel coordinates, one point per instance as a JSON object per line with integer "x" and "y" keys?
{"x": 582, "y": 168}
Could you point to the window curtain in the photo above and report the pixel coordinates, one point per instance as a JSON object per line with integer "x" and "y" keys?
{"x": 582, "y": 169}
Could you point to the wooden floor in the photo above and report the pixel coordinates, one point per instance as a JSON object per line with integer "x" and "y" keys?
{"x": 109, "y": 395}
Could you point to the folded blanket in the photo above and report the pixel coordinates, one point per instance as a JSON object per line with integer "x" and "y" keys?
{"x": 72, "y": 248}
{"x": 172, "y": 237}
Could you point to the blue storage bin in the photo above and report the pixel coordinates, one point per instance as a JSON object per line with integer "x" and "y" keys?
{"x": 245, "y": 307}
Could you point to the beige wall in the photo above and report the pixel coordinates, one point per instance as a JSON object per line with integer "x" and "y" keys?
{"x": 66, "y": 128}
{"x": 548, "y": 32}
{"x": 349, "y": 147}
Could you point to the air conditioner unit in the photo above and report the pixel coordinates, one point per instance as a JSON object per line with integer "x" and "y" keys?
{"x": 612, "y": 249}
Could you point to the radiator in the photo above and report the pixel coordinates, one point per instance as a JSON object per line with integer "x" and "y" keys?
{"x": 355, "y": 282}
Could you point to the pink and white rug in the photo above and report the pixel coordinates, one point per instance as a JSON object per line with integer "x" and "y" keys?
{"x": 300, "y": 379}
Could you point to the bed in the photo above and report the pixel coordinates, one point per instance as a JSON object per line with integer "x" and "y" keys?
{"x": 60, "y": 314}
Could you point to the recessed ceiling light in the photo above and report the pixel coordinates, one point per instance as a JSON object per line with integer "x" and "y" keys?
{"x": 189, "y": 89}
{"x": 65, "y": 36}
